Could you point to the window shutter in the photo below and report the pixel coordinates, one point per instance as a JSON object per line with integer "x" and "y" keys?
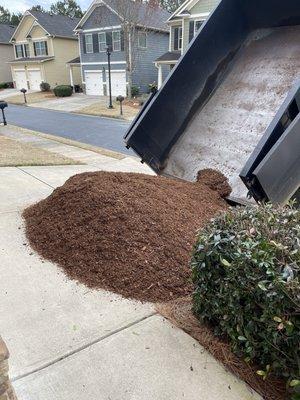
{"x": 95, "y": 43}
{"x": 192, "y": 30}
{"x": 122, "y": 41}
{"x": 109, "y": 40}
{"x": 22, "y": 50}
{"x": 34, "y": 48}
{"x": 46, "y": 48}
{"x": 83, "y": 44}
{"x": 176, "y": 35}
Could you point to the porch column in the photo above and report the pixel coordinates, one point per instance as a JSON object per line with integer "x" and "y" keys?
{"x": 160, "y": 76}
{"x": 71, "y": 77}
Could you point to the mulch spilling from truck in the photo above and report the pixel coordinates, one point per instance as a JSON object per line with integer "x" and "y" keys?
{"x": 128, "y": 233}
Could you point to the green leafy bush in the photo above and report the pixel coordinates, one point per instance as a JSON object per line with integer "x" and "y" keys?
{"x": 63, "y": 91}
{"x": 45, "y": 87}
{"x": 135, "y": 91}
{"x": 245, "y": 267}
{"x": 5, "y": 85}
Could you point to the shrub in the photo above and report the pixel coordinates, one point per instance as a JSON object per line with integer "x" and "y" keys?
{"x": 5, "y": 85}
{"x": 45, "y": 87}
{"x": 135, "y": 91}
{"x": 245, "y": 267}
{"x": 153, "y": 87}
{"x": 63, "y": 91}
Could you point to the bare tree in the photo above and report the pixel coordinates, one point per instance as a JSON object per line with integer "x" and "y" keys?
{"x": 136, "y": 17}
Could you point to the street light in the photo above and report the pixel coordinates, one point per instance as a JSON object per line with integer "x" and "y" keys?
{"x": 3, "y": 105}
{"x": 108, "y": 52}
{"x": 24, "y": 93}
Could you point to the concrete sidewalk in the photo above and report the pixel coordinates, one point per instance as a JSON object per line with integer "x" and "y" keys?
{"x": 68, "y": 342}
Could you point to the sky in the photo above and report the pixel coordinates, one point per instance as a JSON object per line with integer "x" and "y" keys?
{"x": 23, "y": 5}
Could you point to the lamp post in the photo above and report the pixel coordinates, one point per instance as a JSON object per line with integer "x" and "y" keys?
{"x": 3, "y": 105}
{"x": 108, "y": 52}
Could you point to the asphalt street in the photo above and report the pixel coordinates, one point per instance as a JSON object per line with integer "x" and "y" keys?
{"x": 97, "y": 131}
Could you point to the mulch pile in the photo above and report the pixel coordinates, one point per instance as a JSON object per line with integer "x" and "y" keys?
{"x": 179, "y": 312}
{"x": 128, "y": 233}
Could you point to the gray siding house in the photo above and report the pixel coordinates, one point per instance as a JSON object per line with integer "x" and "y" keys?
{"x": 136, "y": 35}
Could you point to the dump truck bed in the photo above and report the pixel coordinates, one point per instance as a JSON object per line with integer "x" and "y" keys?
{"x": 223, "y": 133}
{"x": 224, "y": 92}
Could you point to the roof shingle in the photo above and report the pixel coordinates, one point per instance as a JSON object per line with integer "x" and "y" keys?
{"x": 6, "y": 32}
{"x": 56, "y": 25}
{"x": 141, "y": 13}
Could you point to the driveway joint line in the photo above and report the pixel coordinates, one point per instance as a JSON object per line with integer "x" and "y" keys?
{"x": 40, "y": 180}
{"x": 83, "y": 347}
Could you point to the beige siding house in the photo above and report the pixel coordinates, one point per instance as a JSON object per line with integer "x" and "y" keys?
{"x": 184, "y": 23}
{"x": 43, "y": 44}
{"x": 6, "y": 52}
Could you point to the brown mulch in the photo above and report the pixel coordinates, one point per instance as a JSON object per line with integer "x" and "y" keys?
{"x": 179, "y": 312}
{"x": 215, "y": 181}
{"x": 128, "y": 233}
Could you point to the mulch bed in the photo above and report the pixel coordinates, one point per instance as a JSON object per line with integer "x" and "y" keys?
{"x": 179, "y": 312}
{"x": 128, "y": 233}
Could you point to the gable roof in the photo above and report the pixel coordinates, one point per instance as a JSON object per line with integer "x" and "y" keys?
{"x": 145, "y": 16}
{"x": 6, "y": 32}
{"x": 55, "y": 25}
{"x": 184, "y": 9}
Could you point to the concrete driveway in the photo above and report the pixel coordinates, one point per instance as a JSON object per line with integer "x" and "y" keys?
{"x": 97, "y": 131}
{"x": 68, "y": 342}
{"x": 70, "y": 104}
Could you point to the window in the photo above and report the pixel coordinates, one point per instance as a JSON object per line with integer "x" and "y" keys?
{"x": 40, "y": 48}
{"x": 177, "y": 45}
{"x": 89, "y": 43}
{"x": 26, "y": 50}
{"x": 116, "y": 39}
{"x": 142, "y": 40}
{"x": 22, "y": 50}
{"x": 180, "y": 38}
{"x": 102, "y": 41}
{"x": 198, "y": 25}
{"x": 19, "y": 50}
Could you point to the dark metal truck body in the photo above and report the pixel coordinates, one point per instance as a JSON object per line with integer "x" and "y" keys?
{"x": 223, "y": 94}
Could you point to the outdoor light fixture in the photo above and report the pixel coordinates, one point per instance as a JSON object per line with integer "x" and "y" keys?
{"x": 121, "y": 99}
{"x": 108, "y": 52}
{"x": 24, "y": 93}
{"x": 3, "y": 105}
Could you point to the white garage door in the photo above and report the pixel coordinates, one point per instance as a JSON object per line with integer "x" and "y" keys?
{"x": 94, "y": 83}
{"x": 118, "y": 83}
{"x": 20, "y": 79}
{"x": 35, "y": 79}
